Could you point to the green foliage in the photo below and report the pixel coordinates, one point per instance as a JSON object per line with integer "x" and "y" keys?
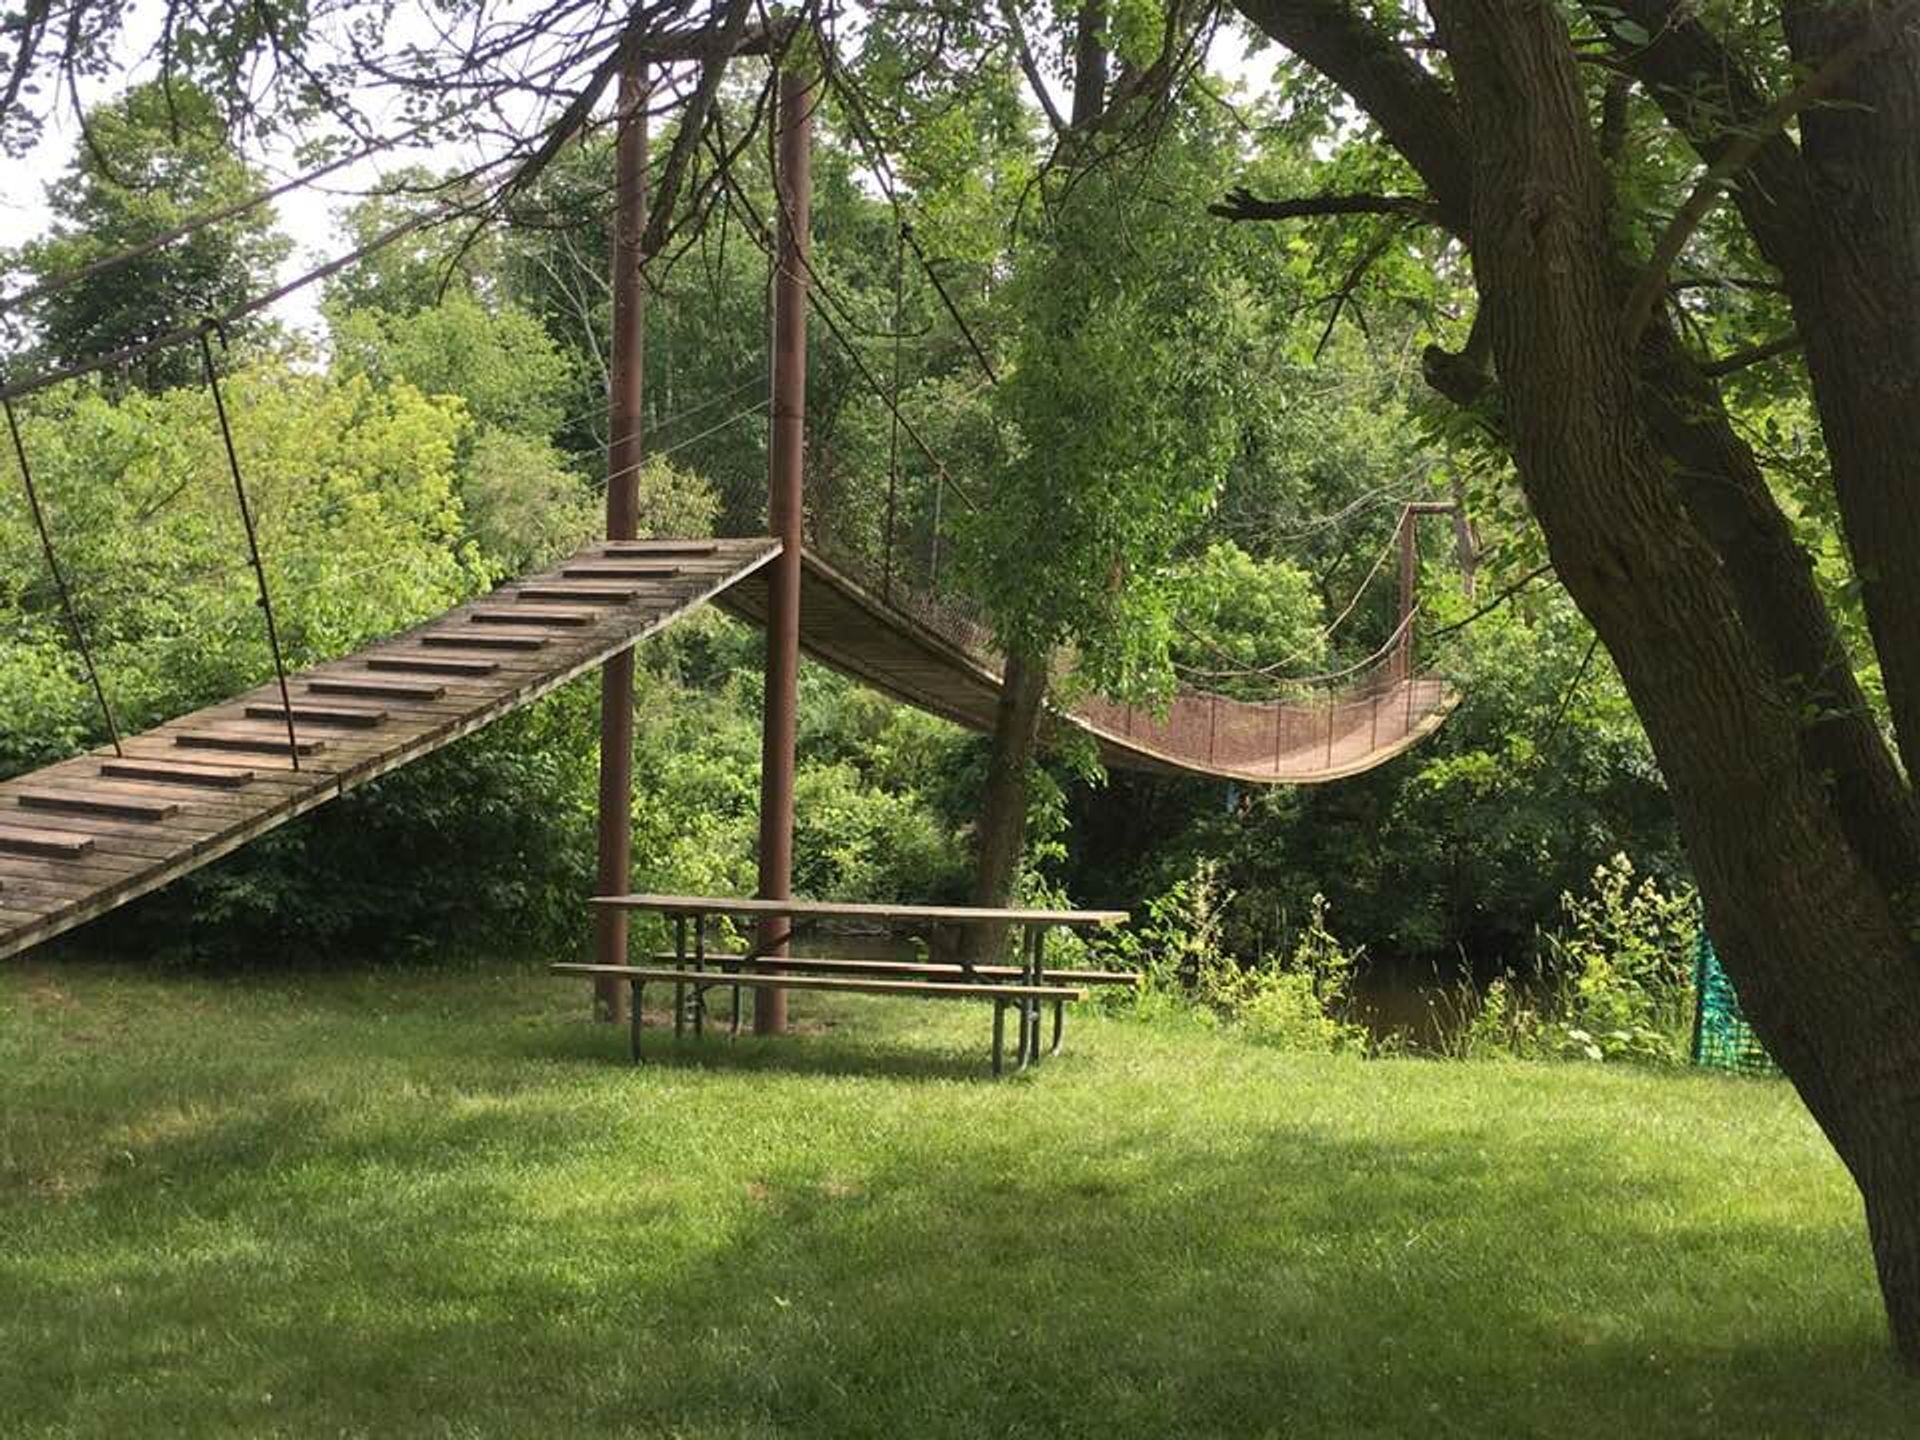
{"x": 1241, "y": 614}
{"x": 154, "y": 157}
{"x": 1121, "y": 399}
{"x": 498, "y": 359}
{"x": 1297, "y": 1000}
{"x": 1613, "y": 982}
{"x": 1624, "y": 967}
{"x": 352, "y": 491}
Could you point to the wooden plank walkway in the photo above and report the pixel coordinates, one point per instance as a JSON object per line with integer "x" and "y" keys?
{"x": 87, "y": 834}
{"x": 943, "y": 666}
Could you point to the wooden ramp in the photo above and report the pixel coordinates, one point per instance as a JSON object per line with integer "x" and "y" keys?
{"x": 83, "y": 836}
{"x": 938, "y": 661}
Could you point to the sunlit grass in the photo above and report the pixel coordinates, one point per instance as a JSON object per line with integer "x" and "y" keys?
{"x": 413, "y": 1204}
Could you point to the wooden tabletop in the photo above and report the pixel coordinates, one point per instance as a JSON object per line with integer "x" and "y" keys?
{"x": 834, "y": 910}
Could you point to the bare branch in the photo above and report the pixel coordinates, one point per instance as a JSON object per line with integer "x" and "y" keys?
{"x": 1242, "y": 204}
{"x": 1753, "y": 355}
{"x": 1730, "y": 162}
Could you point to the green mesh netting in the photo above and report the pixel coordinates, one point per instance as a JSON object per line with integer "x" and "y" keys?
{"x": 1722, "y": 1039}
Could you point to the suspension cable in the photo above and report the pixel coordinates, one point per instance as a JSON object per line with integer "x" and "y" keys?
{"x": 253, "y": 539}
{"x": 893, "y": 441}
{"x": 60, "y": 579}
{"x": 869, "y": 137}
{"x": 450, "y": 210}
{"x": 1327, "y": 633}
{"x": 758, "y": 230}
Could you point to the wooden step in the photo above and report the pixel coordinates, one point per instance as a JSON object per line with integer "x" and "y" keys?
{"x": 25, "y": 840}
{"x": 586, "y": 594}
{"x": 265, "y": 743}
{"x": 614, "y": 570}
{"x": 471, "y": 640}
{"x": 305, "y": 714}
{"x": 381, "y": 689}
{"x": 97, "y": 802}
{"x": 175, "y": 772}
{"x": 431, "y": 664}
{"x": 532, "y": 615}
{"x": 645, "y": 548}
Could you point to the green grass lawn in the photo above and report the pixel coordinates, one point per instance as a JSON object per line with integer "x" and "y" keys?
{"x": 402, "y": 1204}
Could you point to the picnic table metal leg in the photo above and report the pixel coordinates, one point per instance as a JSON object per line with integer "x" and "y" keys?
{"x": 999, "y": 1035}
{"x": 1036, "y": 941}
{"x": 679, "y": 986}
{"x": 700, "y": 967}
{"x": 1059, "y": 1026}
{"x": 638, "y": 989}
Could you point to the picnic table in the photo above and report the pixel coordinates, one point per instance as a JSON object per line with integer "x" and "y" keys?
{"x": 693, "y": 968}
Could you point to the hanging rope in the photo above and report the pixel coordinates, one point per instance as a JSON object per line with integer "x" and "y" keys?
{"x": 893, "y": 443}
{"x": 253, "y": 539}
{"x": 1241, "y": 671}
{"x": 60, "y": 579}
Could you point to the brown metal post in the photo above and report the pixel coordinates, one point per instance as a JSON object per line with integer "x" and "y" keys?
{"x": 624, "y": 369}
{"x": 786, "y": 459}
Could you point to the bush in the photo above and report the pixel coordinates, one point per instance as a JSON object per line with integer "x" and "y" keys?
{"x": 1615, "y": 983}
{"x": 1298, "y": 999}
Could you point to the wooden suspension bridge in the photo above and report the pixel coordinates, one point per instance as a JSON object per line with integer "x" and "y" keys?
{"x": 92, "y": 832}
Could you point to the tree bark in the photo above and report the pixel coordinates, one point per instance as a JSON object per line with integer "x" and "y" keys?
{"x": 1799, "y": 824}
{"x": 1000, "y": 839}
{"x": 1789, "y": 894}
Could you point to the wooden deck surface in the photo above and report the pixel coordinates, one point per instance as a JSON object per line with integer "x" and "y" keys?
{"x": 82, "y": 836}
{"x": 917, "y": 660}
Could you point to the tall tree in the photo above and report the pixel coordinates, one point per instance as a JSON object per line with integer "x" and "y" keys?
{"x": 157, "y": 156}
{"x": 1122, "y": 435}
{"x": 1663, "y": 525}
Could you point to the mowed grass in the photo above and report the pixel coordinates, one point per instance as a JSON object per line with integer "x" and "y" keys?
{"x": 443, "y": 1205}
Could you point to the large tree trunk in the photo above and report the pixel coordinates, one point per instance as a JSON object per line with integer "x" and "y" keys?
{"x": 1806, "y": 923}
{"x": 1002, "y": 835}
{"x": 1855, "y": 299}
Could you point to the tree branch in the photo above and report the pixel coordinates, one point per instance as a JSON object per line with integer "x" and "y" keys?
{"x": 713, "y": 65}
{"x": 1242, "y": 204}
{"x": 1735, "y": 158}
{"x": 1753, "y": 355}
{"x": 1029, "y": 67}
{"x": 1411, "y": 104}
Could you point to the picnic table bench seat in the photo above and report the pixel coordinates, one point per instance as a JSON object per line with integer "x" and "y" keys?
{"x": 1002, "y": 993}
{"x": 1026, "y": 988}
{"x": 833, "y": 965}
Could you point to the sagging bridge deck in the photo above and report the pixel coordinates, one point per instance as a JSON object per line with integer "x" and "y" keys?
{"x": 90, "y": 833}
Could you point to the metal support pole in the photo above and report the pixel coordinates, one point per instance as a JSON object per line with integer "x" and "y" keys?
{"x": 793, "y": 184}
{"x": 624, "y": 377}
